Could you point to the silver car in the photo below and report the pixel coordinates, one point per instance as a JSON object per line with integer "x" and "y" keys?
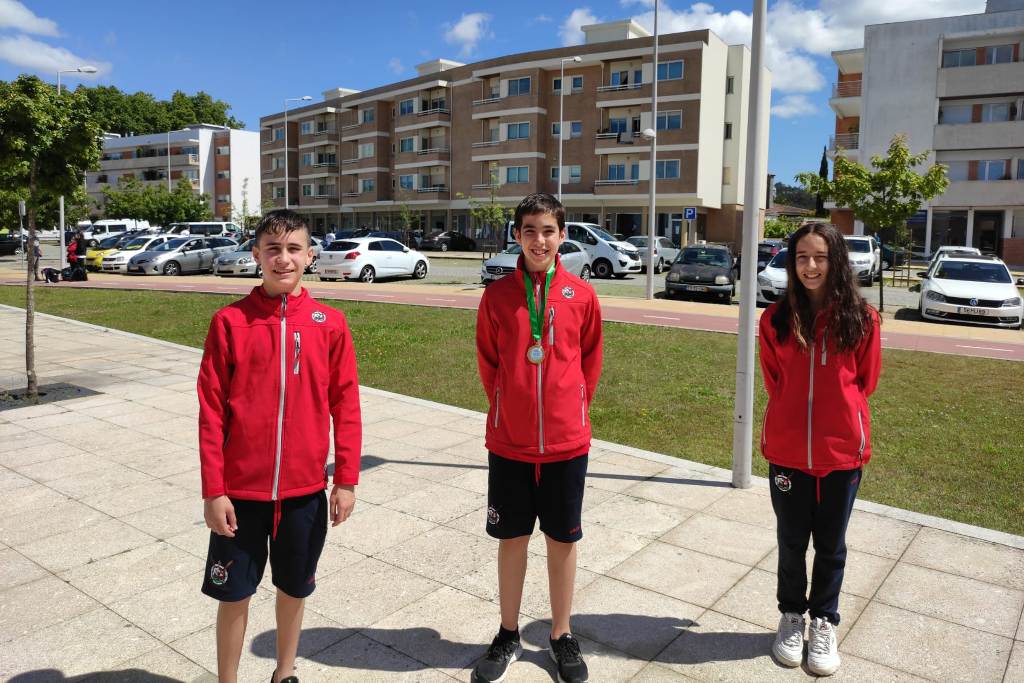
{"x": 181, "y": 255}
{"x": 241, "y": 261}
{"x": 117, "y": 262}
{"x": 664, "y": 252}
{"x": 574, "y": 259}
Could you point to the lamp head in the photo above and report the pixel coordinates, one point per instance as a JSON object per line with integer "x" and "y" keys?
{"x": 86, "y": 69}
{"x": 577, "y": 59}
{"x": 648, "y": 134}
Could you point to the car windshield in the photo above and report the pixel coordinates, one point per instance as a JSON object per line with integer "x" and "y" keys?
{"x": 246, "y": 245}
{"x": 341, "y": 245}
{"x": 766, "y": 248}
{"x": 136, "y": 244}
{"x": 779, "y": 260}
{"x": 170, "y": 245}
{"x": 973, "y": 272}
{"x": 859, "y": 246}
{"x": 514, "y": 249}
{"x": 638, "y": 241}
{"x": 110, "y": 242}
{"x": 703, "y": 257}
{"x": 601, "y": 233}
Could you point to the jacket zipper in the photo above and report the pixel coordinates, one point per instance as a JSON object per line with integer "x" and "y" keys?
{"x": 824, "y": 347}
{"x": 497, "y": 406}
{"x": 810, "y": 409}
{"x": 764, "y": 425}
{"x": 551, "y": 329}
{"x": 540, "y": 407}
{"x": 280, "y": 400}
{"x": 298, "y": 349}
{"x": 583, "y": 404}
{"x": 863, "y": 436}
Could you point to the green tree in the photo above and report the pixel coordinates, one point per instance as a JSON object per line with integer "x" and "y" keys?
{"x": 887, "y": 196}
{"x": 407, "y": 218}
{"x": 243, "y": 215}
{"x": 141, "y": 113}
{"x": 128, "y": 200}
{"x": 780, "y": 227}
{"x": 47, "y": 142}
{"x": 819, "y": 201}
{"x": 489, "y": 213}
{"x": 156, "y": 204}
{"x": 792, "y": 195}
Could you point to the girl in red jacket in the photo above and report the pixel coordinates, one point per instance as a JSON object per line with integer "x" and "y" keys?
{"x": 820, "y": 356}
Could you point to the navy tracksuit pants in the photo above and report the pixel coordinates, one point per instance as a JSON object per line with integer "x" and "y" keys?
{"x": 806, "y": 508}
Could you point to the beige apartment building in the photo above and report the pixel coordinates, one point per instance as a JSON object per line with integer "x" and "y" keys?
{"x": 462, "y": 132}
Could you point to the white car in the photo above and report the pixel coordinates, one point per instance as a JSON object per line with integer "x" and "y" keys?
{"x": 865, "y": 257}
{"x": 772, "y": 280}
{"x": 664, "y": 252}
{"x": 117, "y": 261}
{"x": 574, "y": 259}
{"x": 608, "y": 256}
{"x": 242, "y": 262}
{"x": 974, "y": 289}
{"x": 947, "y": 251}
{"x": 368, "y": 258}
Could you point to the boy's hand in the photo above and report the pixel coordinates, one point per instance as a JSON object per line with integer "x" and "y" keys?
{"x": 343, "y": 499}
{"x": 220, "y": 516}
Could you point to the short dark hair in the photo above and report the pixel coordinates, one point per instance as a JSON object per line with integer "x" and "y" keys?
{"x": 539, "y": 202}
{"x": 281, "y": 222}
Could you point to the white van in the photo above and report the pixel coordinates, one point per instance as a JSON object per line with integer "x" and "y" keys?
{"x": 608, "y": 256}
{"x": 205, "y": 228}
{"x": 108, "y": 227}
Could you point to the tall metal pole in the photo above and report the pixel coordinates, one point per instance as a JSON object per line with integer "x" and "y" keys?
{"x": 168, "y": 161}
{"x": 63, "y": 248}
{"x": 757, "y": 124}
{"x": 652, "y": 209}
{"x": 286, "y": 154}
{"x": 561, "y": 126}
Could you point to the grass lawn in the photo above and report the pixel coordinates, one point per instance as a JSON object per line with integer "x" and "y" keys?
{"x": 948, "y": 439}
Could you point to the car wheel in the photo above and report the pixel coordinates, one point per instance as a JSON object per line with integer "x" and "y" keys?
{"x": 172, "y": 268}
{"x": 444, "y": 246}
{"x": 885, "y": 265}
{"x": 313, "y": 267}
{"x": 659, "y": 266}
{"x": 93, "y": 243}
{"x": 259, "y": 271}
{"x": 585, "y": 273}
{"x": 420, "y": 271}
{"x": 602, "y": 268}
{"x": 367, "y": 274}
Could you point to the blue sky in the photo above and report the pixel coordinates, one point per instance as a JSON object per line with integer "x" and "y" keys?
{"x": 253, "y": 54}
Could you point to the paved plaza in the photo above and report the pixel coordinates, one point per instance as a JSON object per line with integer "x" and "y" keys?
{"x": 102, "y": 548}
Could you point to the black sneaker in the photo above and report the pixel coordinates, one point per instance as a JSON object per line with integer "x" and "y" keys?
{"x": 500, "y": 655}
{"x": 289, "y": 679}
{"x": 566, "y": 654}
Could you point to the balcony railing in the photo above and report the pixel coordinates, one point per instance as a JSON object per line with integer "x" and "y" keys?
{"x": 433, "y": 188}
{"x": 484, "y": 186}
{"x": 846, "y": 89}
{"x": 632, "y": 181}
{"x": 443, "y": 149}
{"x": 322, "y": 164}
{"x": 844, "y": 140}
{"x": 351, "y": 126}
{"x": 617, "y": 88}
{"x": 325, "y": 131}
{"x": 350, "y": 194}
{"x": 352, "y": 161}
{"x": 487, "y": 143}
{"x": 435, "y": 110}
{"x": 495, "y": 97}
{"x": 324, "y": 194}
{"x": 271, "y": 141}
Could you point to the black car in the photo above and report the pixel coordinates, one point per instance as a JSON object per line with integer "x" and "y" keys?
{"x": 448, "y": 240}
{"x": 892, "y": 258}
{"x": 766, "y": 250}
{"x": 9, "y": 245}
{"x": 703, "y": 269}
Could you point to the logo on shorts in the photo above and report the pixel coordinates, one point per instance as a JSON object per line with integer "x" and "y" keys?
{"x": 219, "y": 573}
{"x": 783, "y": 483}
{"x": 568, "y": 292}
{"x": 319, "y": 316}
{"x": 492, "y": 515}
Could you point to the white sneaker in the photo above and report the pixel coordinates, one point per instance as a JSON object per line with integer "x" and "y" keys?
{"x": 822, "y": 651}
{"x": 789, "y": 640}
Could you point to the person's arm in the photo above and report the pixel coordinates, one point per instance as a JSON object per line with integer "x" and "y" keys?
{"x": 770, "y": 369}
{"x": 591, "y": 348}
{"x": 343, "y": 396}
{"x": 486, "y": 347}
{"x": 213, "y": 387}
{"x": 869, "y": 355}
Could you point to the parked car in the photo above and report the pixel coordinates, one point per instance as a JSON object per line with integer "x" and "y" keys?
{"x": 608, "y": 255}
{"x": 865, "y": 257}
{"x": 766, "y": 251}
{"x": 892, "y": 258}
{"x": 447, "y": 240}
{"x": 974, "y": 289}
{"x": 117, "y": 260}
{"x": 665, "y": 252}
{"x": 950, "y": 250}
{"x": 572, "y": 255}
{"x": 110, "y": 226}
{"x": 181, "y": 255}
{"x": 108, "y": 245}
{"x": 205, "y": 229}
{"x": 10, "y": 244}
{"x": 707, "y": 269}
{"x": 772, "y": 280}
{"x": 240, "y": 261}
{"x": 368, "y": 258}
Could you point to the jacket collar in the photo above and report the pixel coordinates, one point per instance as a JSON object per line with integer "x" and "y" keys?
{"x": 272, "y": 305}
{"x": 521, "y": 269}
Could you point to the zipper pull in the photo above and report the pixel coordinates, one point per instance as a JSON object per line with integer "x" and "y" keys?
{"x": 298, "y": 349}
{"x": 824, "y": 347}
{"x": 551, "y": 327}
{"x": 284, "y": 304}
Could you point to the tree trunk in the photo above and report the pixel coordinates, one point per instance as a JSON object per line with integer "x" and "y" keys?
{"x": 31, "y": 386}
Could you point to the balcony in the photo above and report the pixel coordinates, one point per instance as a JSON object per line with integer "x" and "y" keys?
{"x": 613, "y": 95}
{"x": 632, "y": 181}
{"x": 981, "y": 193}
{"x": 487, "y": 143}
{"x": 350, "y": 194}
{"x": 845, "y": 100}
{"x": 981, "y": 80}
{"x": 484, "y": 186}
{"x": 325, "y": 131}
{"x": 440, "y": 149}
{"x": 493, "y": 97}
{"x": 620, "y": 88}
{"x": 432, "y": 188}
{"x": 149, "y": 162}
{"x": 977, "y": 135}
{"x": 848, "y": 142}
{"x": 326, "y": 164}
{"x": 623, "y": 187}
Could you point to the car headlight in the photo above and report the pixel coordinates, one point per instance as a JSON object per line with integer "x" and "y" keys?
{"x": 245, "y": 260}
{"x": 934, "y": 296}
{"x": 623, "y": 250}
{"x": 721, "y": 280}
{"x": 672, "y": 277}
{"x": 1015, "y": 301}
{"x": 763, "y": 281}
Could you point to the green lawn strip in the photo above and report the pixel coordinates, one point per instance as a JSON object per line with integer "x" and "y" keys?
{"x": 948, "y": 439}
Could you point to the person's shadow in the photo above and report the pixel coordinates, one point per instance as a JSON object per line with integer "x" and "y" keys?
{"x": 122, "y": 676}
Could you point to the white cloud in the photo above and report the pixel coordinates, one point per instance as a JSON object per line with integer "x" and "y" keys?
{"x": 15, "y": 15}
{"x": 396, "y": 66}
{"x": 542, "y": 19}
{"x": 468, "y": 31}
{"x": 31, "y": 54}
{"x": 792, "y": 106}
{"x": 571, "y": 29}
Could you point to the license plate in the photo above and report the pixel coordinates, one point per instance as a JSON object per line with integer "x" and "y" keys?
{"x": 963, "y": 310}
{"x": 696, "y": 288}
{"x": 135, "y": 269}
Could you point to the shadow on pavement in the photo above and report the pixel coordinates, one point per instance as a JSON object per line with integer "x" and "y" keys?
{"x": 123, "y": 676}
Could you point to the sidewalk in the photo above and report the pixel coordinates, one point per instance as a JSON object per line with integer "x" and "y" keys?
{"x": 102, "y": 549}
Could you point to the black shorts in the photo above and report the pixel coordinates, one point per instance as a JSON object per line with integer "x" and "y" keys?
{"x": 518, "y": 493}
{"x": 234, "y": 566}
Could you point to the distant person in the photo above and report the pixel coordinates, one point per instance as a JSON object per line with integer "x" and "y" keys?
{"x": 278, "y": 369}
{"x": 329, "y": 237}
{"x": 538, "y": 340}
{"x": 37, "y": 257}
{"x": 820, "y": 357}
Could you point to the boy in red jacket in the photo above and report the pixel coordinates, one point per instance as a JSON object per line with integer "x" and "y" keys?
{"x": 538, "y": 339}
{"x": 278, "y": 368}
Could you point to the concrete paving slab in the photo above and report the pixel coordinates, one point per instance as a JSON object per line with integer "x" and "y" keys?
{"x": 636, "y": 516}
{"x": 1015, "y": 667}
{"x": 31, "y": 607}
{"x": 359, "y": 658}
{"x": 730, "y": 540}
{"x": 683, "y": 574}
{"x": 373, "y": 529}
{"x": 84, "y": 545}
{"x": 989, "y": 562}
{"x": 16, "y": 569}
{"x": 136, "y": 571}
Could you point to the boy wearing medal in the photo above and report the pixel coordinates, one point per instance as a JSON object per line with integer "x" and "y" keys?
{"x": 538, "y": 339}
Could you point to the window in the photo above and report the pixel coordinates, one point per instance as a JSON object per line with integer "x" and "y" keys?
{"x": 728, "y": 131}
{"x": 330, "y": 159}
{"x": 406, "y": 182}
{"x": 391, "y": 245}
{"x": 999, "y": 54}
{"x": 577, "y": 83}
{"x": 517, "y": 174}
{"x": 953, "y": 58}
{"x": 575, "y": 173}
{"x": 1020, "y": 169}
{"x": 991, "y": 113}
{"x": 192, "y": 149}
{"x": 223, "y": 150}
{"x": 616, "y": 171}
{"x": 407, "y": 145}
{"x": 556, "y": 128}
{"x": 325, "y": 191}
{"x": 670, "y": 120}
{"x": 634, "y": 172}
{"x": 958, "y": 170}
{"x": 406, "y": 107}
{"x": 575, "y": 129}
{"x": 556, "y": 85}
{"x": 307, "y": 190}
{"x": 276, "y": 163}
{"x": 992, "y": 170}
{"x": 955, "y": 113}
{"x": 667, "y": 169}
{"x": 306, "y": 159}
{"x": 518, "y": 131}
{"x": 519, "y": 86}
{"x": 365, "y": 150}
{"x": 617, "y": 125}
{"x": 366, "y": 116}
{"x": 190, "y": 173}
{"x": 278, "y": 193}
{"x": 367, "y": 185}
{"x": 278, "y": 135}
{"x": 306, "y": 127}
{"x": 223, "y": 174}
{"x": 729, "y": 85}
{"x": 670, "y": 71}
{"x": 619, "y": 78}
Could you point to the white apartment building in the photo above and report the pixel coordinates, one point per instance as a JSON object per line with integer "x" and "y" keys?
{"x": 953, "y": 86}
{"x": 219, "y": 161}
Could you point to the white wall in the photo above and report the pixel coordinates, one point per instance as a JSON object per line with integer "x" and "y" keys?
{"x": 714, "y": 66}
{"x": 734, "y": 150}
{"x": 245, "y": 164}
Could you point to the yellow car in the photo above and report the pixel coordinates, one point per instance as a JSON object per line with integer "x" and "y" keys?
{"x": 94, "y": 255}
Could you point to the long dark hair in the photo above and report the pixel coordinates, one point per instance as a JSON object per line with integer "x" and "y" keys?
{"x": 848, "y": 317}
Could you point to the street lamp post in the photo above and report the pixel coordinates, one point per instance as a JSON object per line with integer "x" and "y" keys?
{"x": 651, "y": 134}
{"x": 304, "y": 98}
{"x": 79, "y": 70}
{"x": 561, "y": 117}
{"x": 168, "y": 161}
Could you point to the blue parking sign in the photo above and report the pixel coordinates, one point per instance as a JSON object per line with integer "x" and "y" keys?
{"x": 690, "y": 213}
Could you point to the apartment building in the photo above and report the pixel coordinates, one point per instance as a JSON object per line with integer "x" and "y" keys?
{"x": 458, "y": 133}
{"x": 953, "y": 86}
{"x": 219, "y": 161}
